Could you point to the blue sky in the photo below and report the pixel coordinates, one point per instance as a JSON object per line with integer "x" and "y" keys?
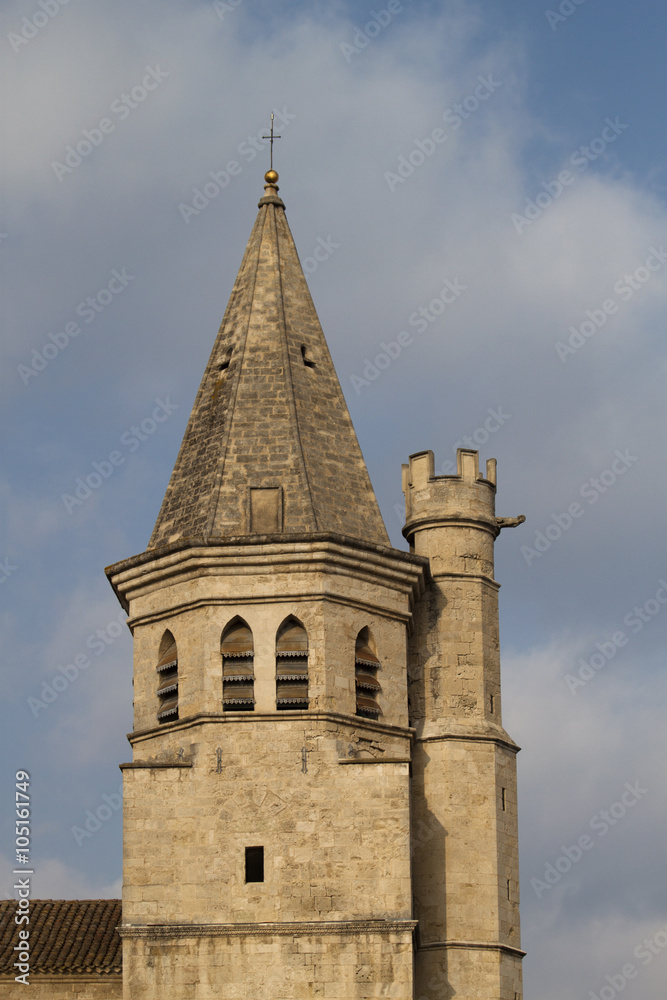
{"x": 587, "y": 412}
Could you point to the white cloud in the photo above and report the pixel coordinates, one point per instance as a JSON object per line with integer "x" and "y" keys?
{"x": 54, "y": 880}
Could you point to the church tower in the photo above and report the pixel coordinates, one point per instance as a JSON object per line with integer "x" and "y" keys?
{"x": 297, "y": 823}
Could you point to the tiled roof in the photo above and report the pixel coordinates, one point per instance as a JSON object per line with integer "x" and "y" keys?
{"x": 67, "y": 936}
{"x": 270, "y": 414}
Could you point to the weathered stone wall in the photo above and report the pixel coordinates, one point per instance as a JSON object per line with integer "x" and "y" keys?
{"x": 454, "y": 671}
{"x": 64, "y": 988}
{"x": 360, "y": 962}
{"x": 336, "y": 838}
{"x": 478, "y": 974}
{"x": 464, "y": 844}
{"x": 336, "y": 841}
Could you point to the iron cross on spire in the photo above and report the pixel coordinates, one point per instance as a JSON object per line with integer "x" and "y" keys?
{"x": 272, "y": 137}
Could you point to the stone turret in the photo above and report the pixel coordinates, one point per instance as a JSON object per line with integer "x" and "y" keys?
{"x": 465, "y": 850}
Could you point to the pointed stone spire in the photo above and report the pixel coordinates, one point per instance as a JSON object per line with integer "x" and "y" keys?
{"x": 269, "y": 447}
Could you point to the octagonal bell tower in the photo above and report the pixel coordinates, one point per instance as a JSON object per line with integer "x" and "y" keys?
{"x": 267, "y": 805}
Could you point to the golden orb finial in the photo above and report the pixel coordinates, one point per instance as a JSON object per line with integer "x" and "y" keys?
{"x": 271, "y": 176}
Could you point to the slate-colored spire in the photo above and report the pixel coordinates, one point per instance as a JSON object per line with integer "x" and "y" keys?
{"x": 270, "y": 445}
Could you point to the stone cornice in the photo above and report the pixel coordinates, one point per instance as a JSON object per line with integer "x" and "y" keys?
{"x": 292, "y": 598}
{"x": 246, "y": 555}
{"x": 315, "y": 928}
{"x": 429, "y": 521}
{"x": 155, "y": 764}
{"x": 229, "y": 718}
{"x": 456, "y": 577}
{"x": 375, "y": 760}
{"x": 500, "y": 739}
{"x": 507, "y": 949}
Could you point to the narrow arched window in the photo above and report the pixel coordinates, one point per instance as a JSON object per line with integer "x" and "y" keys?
{"x": 291, "y": 666}
{"x": 238, "y": 678}
{"x": 167, "y": 673}
{"x": 366, "y": 667}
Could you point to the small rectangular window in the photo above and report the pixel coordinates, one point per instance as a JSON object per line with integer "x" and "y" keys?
{"x": 504, "y": 798}
{"x": 254, "y": 864}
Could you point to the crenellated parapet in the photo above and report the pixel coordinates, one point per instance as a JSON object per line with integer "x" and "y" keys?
{"x": 468, "y": 494}
{"x": 466, "y": 501}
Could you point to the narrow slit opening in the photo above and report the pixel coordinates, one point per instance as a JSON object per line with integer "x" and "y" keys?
{"x": 254, "y": 864}
{"x": 308, "y": 362}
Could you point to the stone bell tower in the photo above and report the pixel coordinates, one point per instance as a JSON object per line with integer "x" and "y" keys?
{"x": 298, "y": 824}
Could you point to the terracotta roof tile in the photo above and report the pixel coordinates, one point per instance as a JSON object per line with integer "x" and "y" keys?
{"x": 67, "y": 936}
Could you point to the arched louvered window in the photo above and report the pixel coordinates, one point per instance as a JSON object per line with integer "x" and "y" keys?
{"x": 291, "y": 666}
{"x": 167, "y": 672}
{"x": 366, "y": 667}
{"x": 238, "y": 678}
